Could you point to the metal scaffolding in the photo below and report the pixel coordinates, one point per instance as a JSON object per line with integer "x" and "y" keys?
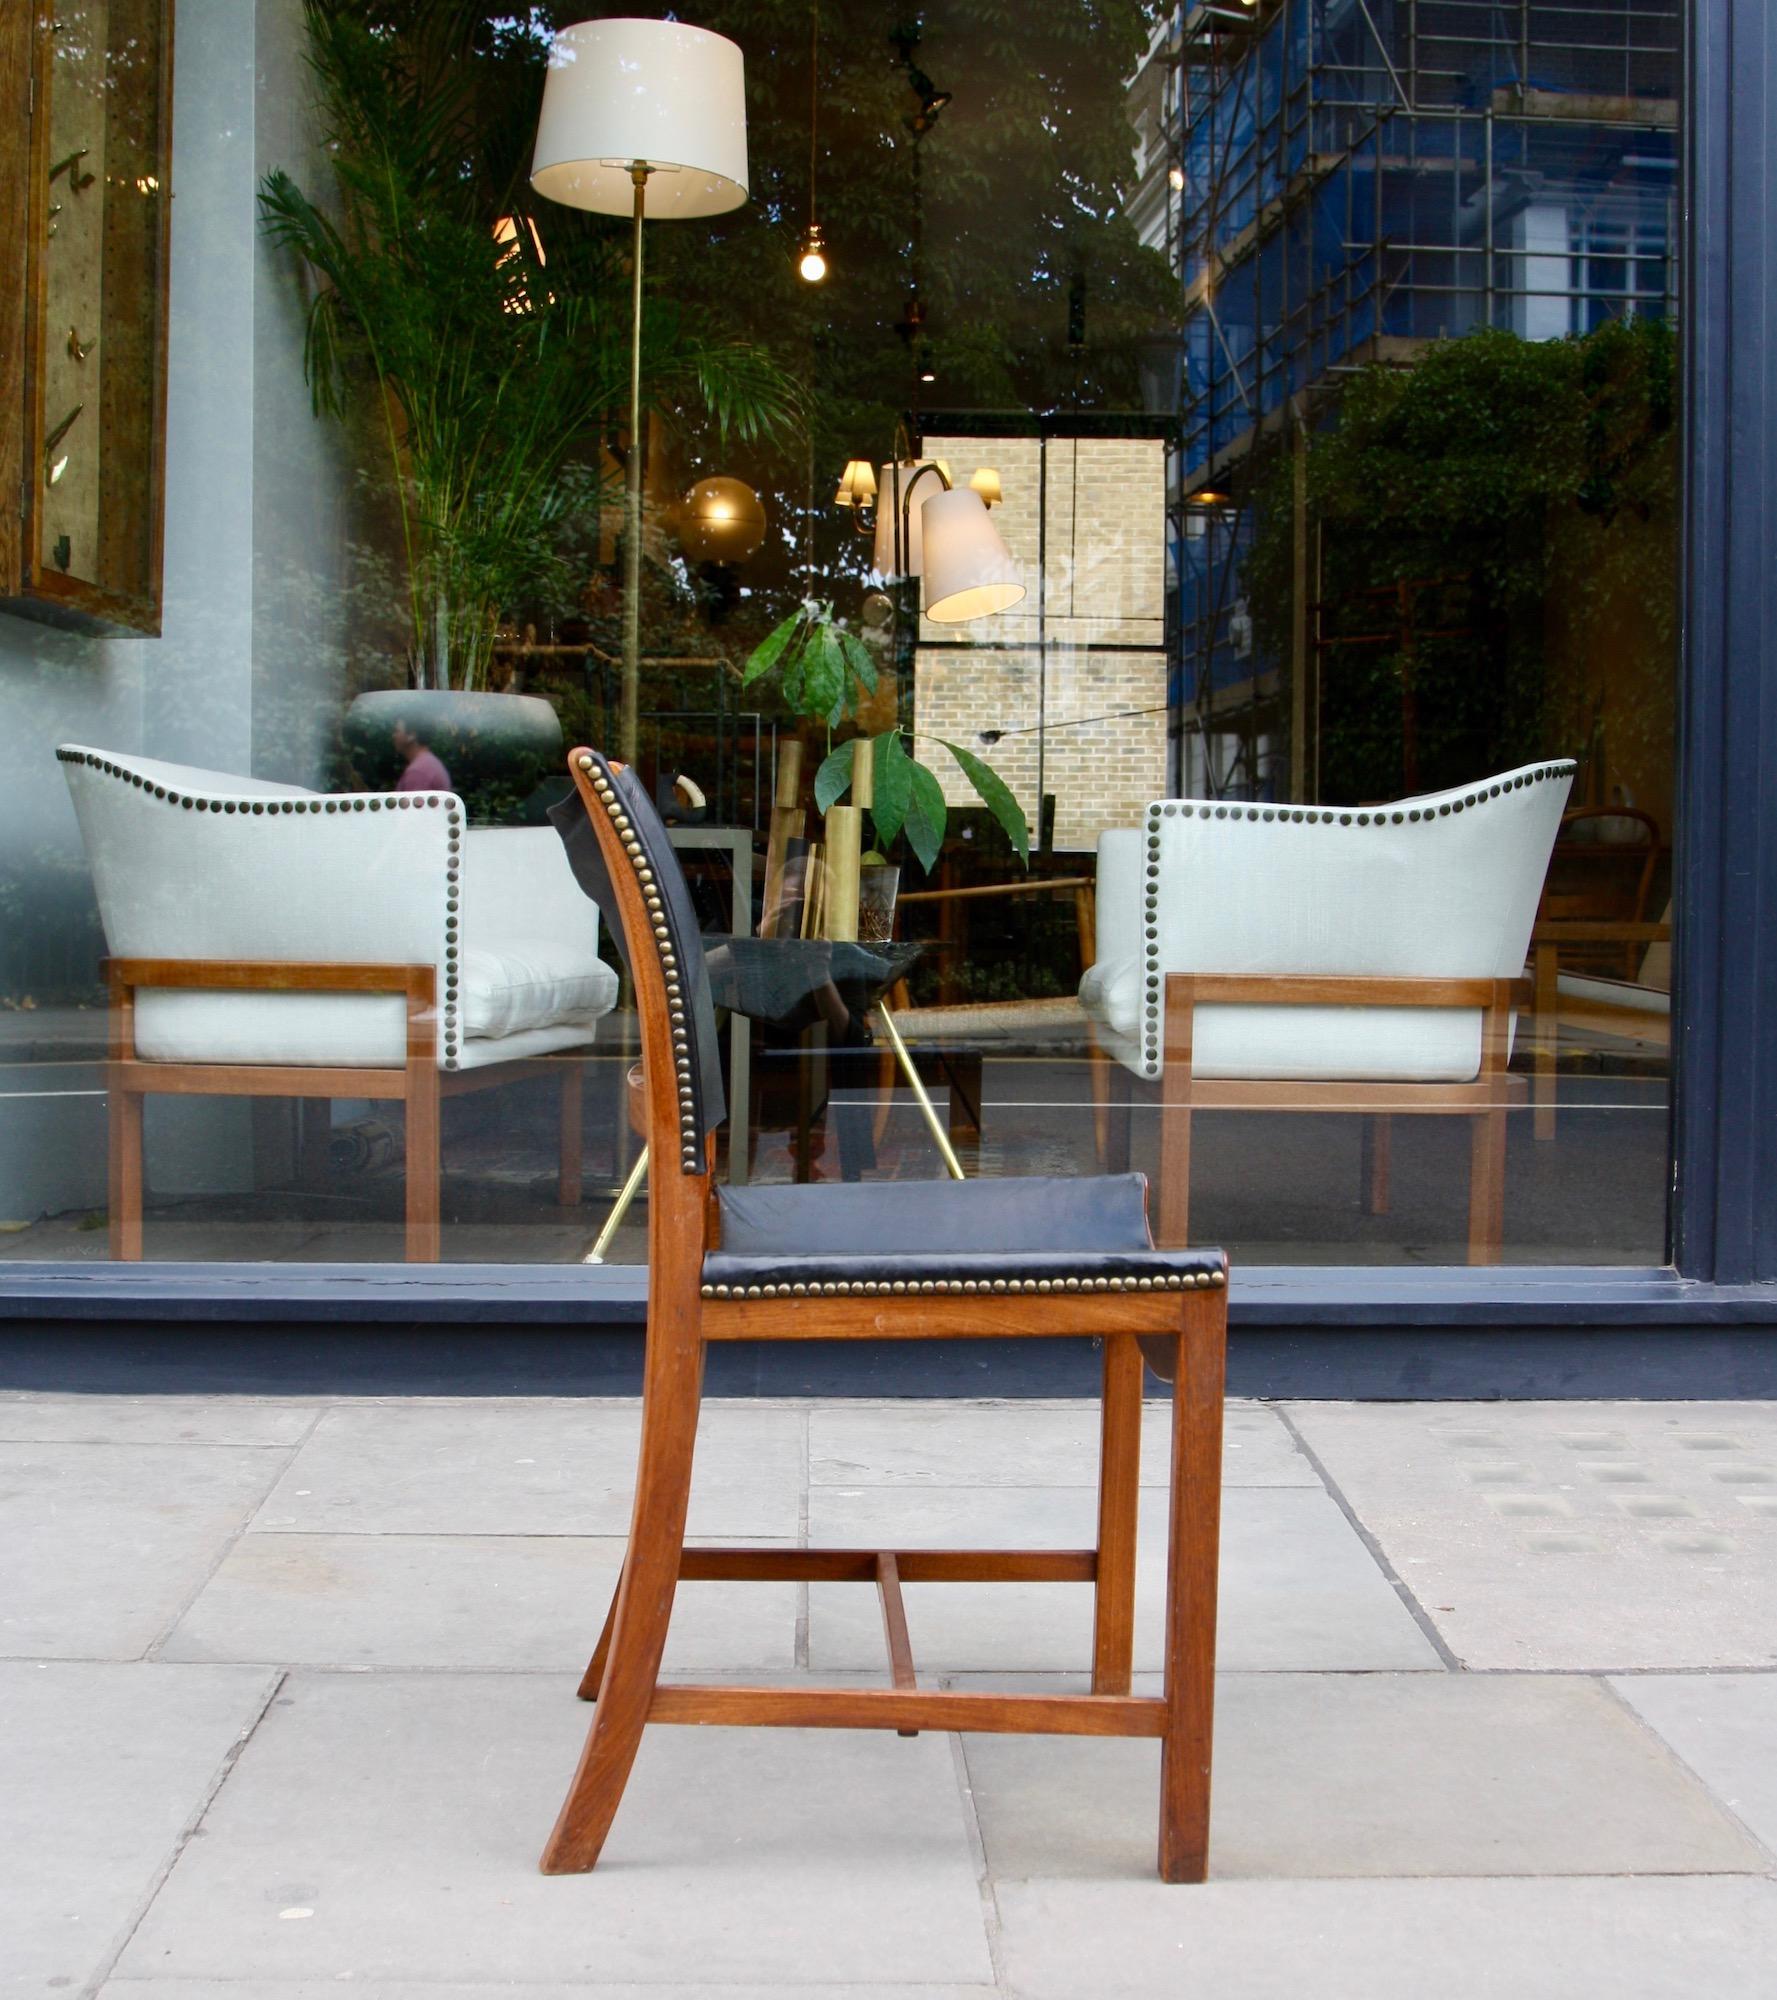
{"x": 1340, "y": 182}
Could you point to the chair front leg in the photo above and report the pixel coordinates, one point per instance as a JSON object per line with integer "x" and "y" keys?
{"x": 1193, "y": 1552}
{"x": 421, "y": 1103}
{"x": 639, "y": 1617}
{"x": 1119, "y": 1498}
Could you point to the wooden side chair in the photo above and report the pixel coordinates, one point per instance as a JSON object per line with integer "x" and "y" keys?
{"x": 886, "y": 1260}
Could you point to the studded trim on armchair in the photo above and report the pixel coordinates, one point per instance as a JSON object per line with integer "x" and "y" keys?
{"x": 1153, "y": 981}
{"x": 447, "y": 802}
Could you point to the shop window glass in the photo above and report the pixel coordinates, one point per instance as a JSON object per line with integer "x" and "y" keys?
{"x": 1306, "y": 379}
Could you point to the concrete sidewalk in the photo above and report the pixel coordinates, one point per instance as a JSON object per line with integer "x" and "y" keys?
{"x": 286, "y": 1709}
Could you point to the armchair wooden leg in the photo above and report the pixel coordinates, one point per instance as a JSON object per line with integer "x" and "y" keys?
{"x": 1546, "y": 1023}
{"x": 643, "y": 1607}
{"x": 423, "y": 1164}
{"x": 1378, "y": 1161}
{"x": 124, "y": 1175}
{"x": 1193, "y": 1551}
{"x": 1487, "y": 1188}
{"x": 1119, "y": 1495}
{"x": 1175, "y": 1169}
{"x": 573, "y": 1081}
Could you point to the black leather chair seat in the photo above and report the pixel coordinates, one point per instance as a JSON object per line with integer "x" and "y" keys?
{"x": 874, "y": 1237}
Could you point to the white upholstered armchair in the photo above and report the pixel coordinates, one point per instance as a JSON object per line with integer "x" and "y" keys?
{"x": 270, "y": 941}
{"x": 1360, "y": 959}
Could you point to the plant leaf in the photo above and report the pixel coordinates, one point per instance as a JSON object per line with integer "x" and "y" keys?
{"x": 823, "y": 680}
{"x": 996, "y": 796}
{"x": 833, "y": 780}
{"x": 857, "y": 657}
{"x": 770, "y": 649}
{"x": 894, "y": 786}
{"x": 926, "y": 815}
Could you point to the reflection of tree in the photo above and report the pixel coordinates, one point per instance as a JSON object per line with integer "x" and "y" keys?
{"x": 1019, "y": 208}
{"x": 1539, "y": 478}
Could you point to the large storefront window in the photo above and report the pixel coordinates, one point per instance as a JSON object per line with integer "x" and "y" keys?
{"x": 1226, "y": 471}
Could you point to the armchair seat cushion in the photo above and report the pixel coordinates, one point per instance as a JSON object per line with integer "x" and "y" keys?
{"x": 536, "y": 983}
{"x": 1021, "y": 1234}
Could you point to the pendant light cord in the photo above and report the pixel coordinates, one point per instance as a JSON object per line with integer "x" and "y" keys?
{"x": 814, "y": 98}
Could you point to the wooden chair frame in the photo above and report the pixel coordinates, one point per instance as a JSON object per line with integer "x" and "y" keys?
{"x": 1182, "y": 1329}
{"x": 1485, "y": 1100}
{"x": 1546, "y": 942}
{"x": 419, "y": 1084}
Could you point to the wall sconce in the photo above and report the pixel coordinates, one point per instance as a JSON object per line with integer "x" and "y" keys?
{"x": 857, "y": 484}
{"x": 967, "y": 569}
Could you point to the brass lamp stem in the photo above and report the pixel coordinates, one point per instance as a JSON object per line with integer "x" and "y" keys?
{"x": 629, "y": 719}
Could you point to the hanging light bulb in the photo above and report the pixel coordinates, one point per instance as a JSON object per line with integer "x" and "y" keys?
{"x": 811, "y": 260}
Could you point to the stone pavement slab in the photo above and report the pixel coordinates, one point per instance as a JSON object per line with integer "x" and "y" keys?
{"x": 1025, "y": 1444}
{"x": 102, "y": 1768}
{"x": 406, "y": 1812}
{"x": 1646, "y": 1939}
{"x": 1374, "y": 1775}
{"x": 538, "y": 1467}
{"x": 1581, "y": 1536}
{"x": 1724, "y": 1726}
{"x": 152, "y": 1420}
{"x": 523, "y": 1603}
{"x": 1298, "y": 1587}
{"x": 103, "y": 1545}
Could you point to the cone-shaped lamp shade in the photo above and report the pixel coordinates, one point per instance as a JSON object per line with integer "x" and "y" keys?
{"x": 969, "y": 572}
{"x": 857, "y": 484}
{"x": 660, "y": 92}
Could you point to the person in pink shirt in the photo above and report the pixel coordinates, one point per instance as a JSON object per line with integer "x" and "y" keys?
{"x": 425, "y": 772}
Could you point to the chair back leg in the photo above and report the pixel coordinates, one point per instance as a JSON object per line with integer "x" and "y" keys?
{"x": 1194, "y": 1542}
{"x": 1119, "y": 1497}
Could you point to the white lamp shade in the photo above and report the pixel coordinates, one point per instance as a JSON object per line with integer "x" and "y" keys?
{"x": 668, "y": 95}
{"x": 969, "y": 572}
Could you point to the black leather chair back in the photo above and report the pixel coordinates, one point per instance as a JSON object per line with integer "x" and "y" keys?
{"x": 673, "y": 940}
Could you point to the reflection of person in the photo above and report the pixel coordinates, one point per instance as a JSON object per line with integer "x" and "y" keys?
{"x": 425, "y": 772}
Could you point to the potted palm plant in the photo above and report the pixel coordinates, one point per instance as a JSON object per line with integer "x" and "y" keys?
{"x": 493, "y": 359}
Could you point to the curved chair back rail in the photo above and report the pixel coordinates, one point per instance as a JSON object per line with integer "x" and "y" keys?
{"x": 618, "y": 849}
{"x": 1440, "y": 886}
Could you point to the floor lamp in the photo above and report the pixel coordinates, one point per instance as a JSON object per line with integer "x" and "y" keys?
{"x": 645, "y": 119}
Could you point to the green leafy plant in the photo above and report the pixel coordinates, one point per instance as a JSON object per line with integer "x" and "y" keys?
{"x": 822, "y": 670}
{"x": 1519, "y": 497}
{"x": 493, "y": 364}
